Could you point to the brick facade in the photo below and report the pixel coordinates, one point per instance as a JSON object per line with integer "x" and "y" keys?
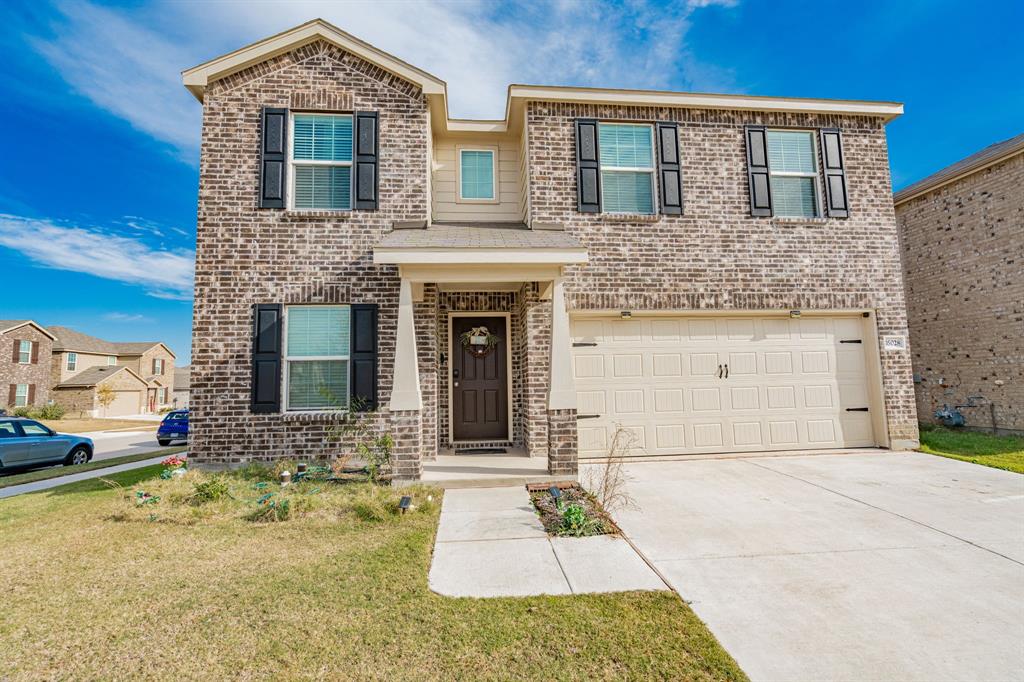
{"x": 963, "y": 254}
{"x": 246, "y": 255}
{"x": 716, "y": 256}
{"x": 35, "y": 374}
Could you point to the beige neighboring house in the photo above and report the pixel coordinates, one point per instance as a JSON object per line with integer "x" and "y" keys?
{"x": 962, "y": 235}
{"x": 182, "y": 378}
{"x": 82, "y": 364}
{"x": 24, "y": 364}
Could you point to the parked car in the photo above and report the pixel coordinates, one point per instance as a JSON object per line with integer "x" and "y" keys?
{"x": 24, "y": 442}
{"x": 173, "y": 427}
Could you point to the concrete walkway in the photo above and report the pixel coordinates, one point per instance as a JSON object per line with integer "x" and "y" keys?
{"x": 490, "y": 543}
{"x": 880, "y": 566}
{"x": 36, "y": 486}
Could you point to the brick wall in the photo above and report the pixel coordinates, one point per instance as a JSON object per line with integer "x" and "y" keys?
{"x": 143, "y": 365}
{"x": 35, "y": 374}
{"x": 963, "y": 255}
{"x": 246, "y": 255}
{"x": 717, "y": 256}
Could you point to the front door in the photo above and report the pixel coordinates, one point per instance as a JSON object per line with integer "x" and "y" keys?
{"x": 479, "y": 382}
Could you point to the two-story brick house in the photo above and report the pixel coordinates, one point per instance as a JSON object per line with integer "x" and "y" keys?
{"x": 710, "y": 273}
{"x": 25, "y": 349}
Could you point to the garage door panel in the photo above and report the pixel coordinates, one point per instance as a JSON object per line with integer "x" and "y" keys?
{"x": 124, "y": 403}
{"x": 789, "y": 384}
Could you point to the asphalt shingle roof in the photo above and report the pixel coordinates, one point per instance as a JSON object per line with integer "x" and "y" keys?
{"x": 478, "y": 236}
{"x": 91, "y": 376}
{"x": 69, "y": 339}
{"x": 977, "y": 160}
{"x": 182, "y": 377}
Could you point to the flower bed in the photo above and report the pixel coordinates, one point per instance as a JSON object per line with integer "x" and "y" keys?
{"x": 576, "y": 513}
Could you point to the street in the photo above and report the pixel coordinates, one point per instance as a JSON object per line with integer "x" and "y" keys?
{"x": 118, "y": 444}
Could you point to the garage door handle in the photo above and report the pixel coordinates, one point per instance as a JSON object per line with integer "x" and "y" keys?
{"x": 719, "y": 371}
{"x": 587, "y": 416}
{"x": 727, "y": 370}
{"x": 856, "y": 409}
{"x": 849, "y": 341}
{"x": 583, "y": 344}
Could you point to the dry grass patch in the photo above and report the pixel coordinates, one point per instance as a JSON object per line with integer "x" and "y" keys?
{"x": 98, "y": 586}
{"x": 90, "y": 425}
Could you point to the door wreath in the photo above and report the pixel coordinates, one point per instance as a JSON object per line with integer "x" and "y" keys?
{"x": 479, "y": 341}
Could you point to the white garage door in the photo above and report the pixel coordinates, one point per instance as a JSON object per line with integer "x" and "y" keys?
{"x": 125, "y": 402}
{"x": 716, "y": 384}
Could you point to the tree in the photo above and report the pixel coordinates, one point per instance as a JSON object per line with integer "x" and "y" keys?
{"x": 105, "y": 395}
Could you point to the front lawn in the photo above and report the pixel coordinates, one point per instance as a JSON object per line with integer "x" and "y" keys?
{"x": 56, "y": 471}
{"x": 99, "y": 584}
{"x": 89, "y": 425}
{"x": 1000, "y": 452}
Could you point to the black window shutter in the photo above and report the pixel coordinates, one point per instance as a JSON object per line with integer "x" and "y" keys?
{"x": 273, "y": 158}
{"x": 266, "y": 358}
{"x": 670, "y": 173}
{"x": 757, "y": 171}
{"x": 835, "y": 174}
{"x": 364, "y": 179}
{"x": 363, "y": 349}
{"x": 588, "y": 167}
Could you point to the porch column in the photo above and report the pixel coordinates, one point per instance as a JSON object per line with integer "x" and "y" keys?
{"x": 563, "y": 449}
{"x": 561, "y": 387}
{"x": 405, "y": 391}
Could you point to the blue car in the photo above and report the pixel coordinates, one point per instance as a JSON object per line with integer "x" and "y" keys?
{"x": 173, "y": 427}
{"x": 24, "y": 442}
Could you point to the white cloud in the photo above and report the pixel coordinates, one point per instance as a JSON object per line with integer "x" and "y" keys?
{"x": 126, "y": 317}
{"x": 130, "y": 66}
{"x": 94, "y": 251}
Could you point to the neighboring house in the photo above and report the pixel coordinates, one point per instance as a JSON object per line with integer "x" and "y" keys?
{"x": 25, "y": 349}
{"x": 182, "y": 376}
{"x": 148, "y": 386}
{"x": 962, "y": 233}
{"x": 707, "y": 273}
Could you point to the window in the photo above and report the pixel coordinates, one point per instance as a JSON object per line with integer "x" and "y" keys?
{"x": 793, "y": 167}
{"x": 111, "y": 360}
{"x": 72, "y": 362}
{"x": 316, "y": 353}
{"x": 627, "y": 167}
{"x": 24, "y": 352}
{"x": 321, "y": 161}
{"x": 7, "y": 430}
{"x": 21, "y": 395}
{"x": 476, "y": 174}
{"x": 162, "y": 395}
{"x": 34, "y": 429}
{"x": 158, "y": 366}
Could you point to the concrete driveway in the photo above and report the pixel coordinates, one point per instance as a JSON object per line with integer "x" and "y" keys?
{"x": 872, "y": 566}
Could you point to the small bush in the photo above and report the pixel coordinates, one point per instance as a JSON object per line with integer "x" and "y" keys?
{"x": 210, "y": 490}
{"x": 24, "y": 412}
{"x": 576, "y": 523}
{"x": 52, "y": 411}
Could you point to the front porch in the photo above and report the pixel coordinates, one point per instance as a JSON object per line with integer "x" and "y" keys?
{"x": 513, "y": 404}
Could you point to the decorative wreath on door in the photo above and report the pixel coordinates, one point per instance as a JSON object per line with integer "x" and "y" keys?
{"x": 479, "y": 341}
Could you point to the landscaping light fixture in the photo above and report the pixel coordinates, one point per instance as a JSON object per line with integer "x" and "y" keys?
{"x": 404, "y": 503}
{"x": 556, "y": 495}
{"x": 626, "y": 314}
{"x": 794, "y": 314}
{"x": 286, "y": 477}
{"x": 301, "y": 468}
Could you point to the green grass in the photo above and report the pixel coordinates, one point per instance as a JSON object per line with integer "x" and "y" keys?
{"x": 999, "y": 452}
{"x": 57, "y": 471}
{"x": 96, "y": 587}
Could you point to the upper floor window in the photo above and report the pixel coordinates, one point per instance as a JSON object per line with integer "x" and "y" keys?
{"x": 24, "y": 352}
{"x": 477, "y": 179}
{"x": 158, "y": 366}
{"x": 793, "y": 168}
{"x": 626, "y": 152}
{"x": 72, "y": 363}
{"x": 321, "y": 160}
{"x": 111, "y": 360}
{"x": 316, "y": 356}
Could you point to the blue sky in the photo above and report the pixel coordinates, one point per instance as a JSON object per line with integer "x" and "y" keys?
{"x": 98, "y": 187}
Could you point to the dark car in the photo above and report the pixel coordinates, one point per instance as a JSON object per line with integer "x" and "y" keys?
{"x": 24, "y": 442}
{"x": 173, "y": 427}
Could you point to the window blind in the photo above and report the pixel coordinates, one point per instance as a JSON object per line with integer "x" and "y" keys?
{"x": 318, "y": 331}
{"x": 327, "y": 187}
{"x": 790, "y": 151}
{"x": 322, "y": 138}
{"x": 476, "y": 174}
{"x": 627, "y": 192}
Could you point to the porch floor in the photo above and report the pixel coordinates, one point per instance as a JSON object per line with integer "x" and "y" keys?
{"x": 488, "y": 471}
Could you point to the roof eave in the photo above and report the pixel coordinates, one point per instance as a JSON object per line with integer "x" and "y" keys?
{"x": 922, "y": 187}
{"x": 478, "y": 256}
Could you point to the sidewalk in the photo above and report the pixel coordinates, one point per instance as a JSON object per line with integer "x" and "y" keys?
{"x": 36, "y": 486}
{"x": 490, "y": 543}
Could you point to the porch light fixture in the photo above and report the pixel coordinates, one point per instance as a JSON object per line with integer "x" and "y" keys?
{"x": 404, "y": 503}
{"x": 794, "y": 314}
{"x": 626, "y": 314}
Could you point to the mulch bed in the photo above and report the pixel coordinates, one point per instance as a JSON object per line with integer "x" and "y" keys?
{"x": 551, "y": 517}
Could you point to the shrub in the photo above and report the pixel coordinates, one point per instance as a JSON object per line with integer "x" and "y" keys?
{"x": 52, "y": 411}
{"x": 576, "y": 523}
{"x": 24, "y": 412}
{"x": 210, "y": 490}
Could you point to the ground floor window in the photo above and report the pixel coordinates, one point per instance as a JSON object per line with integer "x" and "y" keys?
{"x": 162, "y": 395}
{"x": 21, "y": 395}
{"x": 316, "y": 353}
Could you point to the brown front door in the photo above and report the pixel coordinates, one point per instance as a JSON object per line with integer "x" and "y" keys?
{"x": 479, "y": 384}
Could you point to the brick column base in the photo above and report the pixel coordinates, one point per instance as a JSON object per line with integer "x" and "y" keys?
{"x": 407, "y": 453}
{"x": 563, "y": 451}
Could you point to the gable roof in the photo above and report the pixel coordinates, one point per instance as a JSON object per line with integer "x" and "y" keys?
{"x": 10, "y": 325}
{"x": 67, "y": 339}
{"x": 182, "y": 378}
{"x": 436, "y": 90}
{"x": 139, "y": 347}
{"x": 989, "y": 156}
{"x": 95, "y": 375}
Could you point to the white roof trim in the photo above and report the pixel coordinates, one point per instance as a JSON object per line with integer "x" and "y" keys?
{"x": 29, "y": 322}
{"x": 483, "y": 256}
{"x": 198, "y": 77}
